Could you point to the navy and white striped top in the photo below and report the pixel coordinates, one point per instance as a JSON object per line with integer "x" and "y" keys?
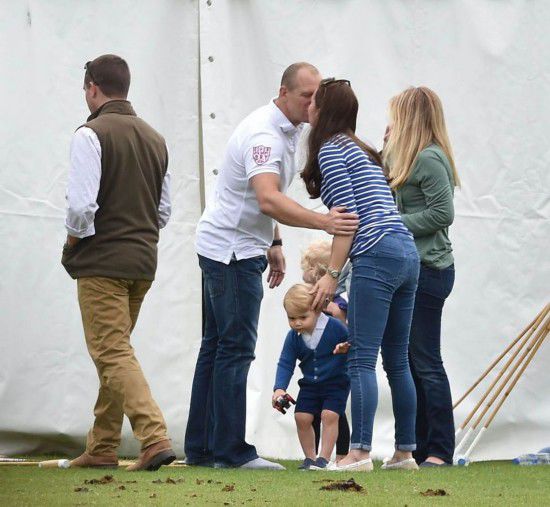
{"x": 351, "y": 179}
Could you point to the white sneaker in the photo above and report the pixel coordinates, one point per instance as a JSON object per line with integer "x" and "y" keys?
{"x": 406, "y": 464}
{"x": 365, "y": 465}
{"x": 262, "y": 464}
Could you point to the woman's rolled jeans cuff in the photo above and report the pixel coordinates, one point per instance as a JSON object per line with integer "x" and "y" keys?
{"x": 406, "y": 447}
{"x": 368, "y": 448}
{"x": 361, "y": 447}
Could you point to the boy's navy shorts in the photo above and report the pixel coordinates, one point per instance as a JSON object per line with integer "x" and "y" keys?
{"x": 314, "y": 398}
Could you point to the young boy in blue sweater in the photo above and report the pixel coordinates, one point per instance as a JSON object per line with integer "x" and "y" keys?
{"x": 318, "y": 342}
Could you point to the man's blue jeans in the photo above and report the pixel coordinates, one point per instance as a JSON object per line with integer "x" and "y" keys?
{"x": 435, "y": 432}
{"x": 217, "y": 414}
{"x": 383, "y": 287}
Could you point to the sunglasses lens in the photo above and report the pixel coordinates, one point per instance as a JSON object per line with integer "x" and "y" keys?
{"x": 331, "y": 81}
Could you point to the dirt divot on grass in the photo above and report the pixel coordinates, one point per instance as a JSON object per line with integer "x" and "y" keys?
{"x": 434, "y": 492}
{"x": 349, "y": 485}
{"x": 106, "y": 479}
{"x": 168, "y": 480}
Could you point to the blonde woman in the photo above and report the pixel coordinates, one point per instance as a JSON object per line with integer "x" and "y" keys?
{"x": 419, "y": 161}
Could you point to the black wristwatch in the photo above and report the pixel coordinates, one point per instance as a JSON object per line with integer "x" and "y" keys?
{"x": 277, "y": 242}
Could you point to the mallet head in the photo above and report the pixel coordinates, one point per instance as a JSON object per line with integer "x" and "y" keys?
{"x": 461, "y": 461}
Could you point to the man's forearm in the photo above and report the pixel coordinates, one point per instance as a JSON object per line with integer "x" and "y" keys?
{"x": 286, "y": 211}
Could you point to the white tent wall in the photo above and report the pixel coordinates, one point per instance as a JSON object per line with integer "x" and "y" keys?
{"x": 48, "y": 384}
{"x": 489, "y": 63}
{"x": 487, "y": 60}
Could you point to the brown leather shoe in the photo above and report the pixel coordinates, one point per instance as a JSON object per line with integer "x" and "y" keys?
{"x": 86, "y": 460}
{"x": 153, "y": 457}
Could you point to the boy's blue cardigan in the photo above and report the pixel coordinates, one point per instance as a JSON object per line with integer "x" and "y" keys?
{"x": 318, "y": 366}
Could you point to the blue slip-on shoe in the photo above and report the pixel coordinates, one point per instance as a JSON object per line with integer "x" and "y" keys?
{"x": 320, "y": 464}
{"x": 306, "y": 464}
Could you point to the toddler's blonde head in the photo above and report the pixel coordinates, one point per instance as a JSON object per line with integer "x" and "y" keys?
{"x": 315, "y": 260}
{"x": 298, "y": 299}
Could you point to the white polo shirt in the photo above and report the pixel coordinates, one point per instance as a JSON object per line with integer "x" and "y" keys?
{"x": 232, "y": 223}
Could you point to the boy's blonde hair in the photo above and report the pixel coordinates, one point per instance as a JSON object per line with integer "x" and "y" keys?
{"x": 315, "y": 260}
{"x": 298, "y": 299}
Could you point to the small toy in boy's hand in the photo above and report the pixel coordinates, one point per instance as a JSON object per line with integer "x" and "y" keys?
{"x": 283, "y": 402}
{"x": 342, "y": 348}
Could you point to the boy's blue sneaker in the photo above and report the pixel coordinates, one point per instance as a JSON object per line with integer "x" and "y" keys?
{"x": 320, "y": 464}
{"x": 306, "y": 464}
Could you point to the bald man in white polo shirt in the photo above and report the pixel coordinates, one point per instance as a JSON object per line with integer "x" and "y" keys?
{"x": 237, "y": 237}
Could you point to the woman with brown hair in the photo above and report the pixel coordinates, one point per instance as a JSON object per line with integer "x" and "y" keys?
{"x": 419, "y": 158}
{"x": 344, "y": 171}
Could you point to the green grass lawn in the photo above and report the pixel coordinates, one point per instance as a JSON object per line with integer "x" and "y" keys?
{"x": 490, "y": 483}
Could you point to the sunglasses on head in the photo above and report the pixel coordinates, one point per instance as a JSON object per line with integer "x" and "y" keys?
{"x": 89, "y": 71}
{"x": 329, "y": 81}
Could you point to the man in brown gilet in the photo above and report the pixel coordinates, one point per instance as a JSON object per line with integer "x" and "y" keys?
{"x": 117, "y": 199}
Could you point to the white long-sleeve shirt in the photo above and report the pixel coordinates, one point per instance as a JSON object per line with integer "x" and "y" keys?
{"x": 83, "y": 186}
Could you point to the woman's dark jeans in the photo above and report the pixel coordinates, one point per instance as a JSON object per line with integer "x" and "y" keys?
{"x": 435, "y": 432}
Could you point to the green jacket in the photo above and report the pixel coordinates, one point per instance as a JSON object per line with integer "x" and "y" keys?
{"x": 425, "y": 202}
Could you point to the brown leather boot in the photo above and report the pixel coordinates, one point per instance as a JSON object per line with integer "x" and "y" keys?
{"x": 153, "y": 457}
{"x": 86, "y": 460}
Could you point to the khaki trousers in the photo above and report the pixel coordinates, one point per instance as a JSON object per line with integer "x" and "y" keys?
{"x": 110, "y": 309}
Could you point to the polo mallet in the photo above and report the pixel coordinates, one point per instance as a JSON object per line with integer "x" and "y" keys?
{"x": 55, "y": 463}
{"x": 518, "y": 368}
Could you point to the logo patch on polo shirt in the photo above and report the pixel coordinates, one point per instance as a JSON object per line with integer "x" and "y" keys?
{"x": 260, "y": 154}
